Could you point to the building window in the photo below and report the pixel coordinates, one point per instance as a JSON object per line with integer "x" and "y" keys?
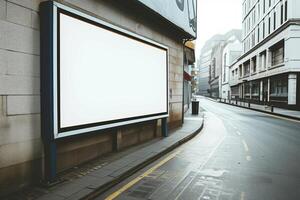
{"x": 254, "y": 17}
{"x": 264, "y": 6}
{"x": 246, "y": 68}
{"x": 269, "y": 25}
{"x": 255, "y": 90}
{"x": 286, "y": 10}
{"x": 270, "y": 3}
{"x": 241, "y": 70}
{"x": 258, "y": 34}
{"x": 263, "y": 60}
{"x": 254, "y": 64}
{"x": 253, "y": 39}
{"x": 274, "y": 16}
{"x": 224, "y": 73}
{"x": 258, "y": 10}
{"x": 247, "y": 89}
{"x": 264, "y": 29}
{"x": 277, "y": 52}
{"x": 279, "y": 87}
{"x": 281, "y": 14}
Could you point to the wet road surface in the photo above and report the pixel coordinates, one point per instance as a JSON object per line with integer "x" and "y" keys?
{"x": 240, "y": 154}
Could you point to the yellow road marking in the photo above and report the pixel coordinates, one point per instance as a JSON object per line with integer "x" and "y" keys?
{"x": 248, "y": 158}
{"x": 137, "y": 179}
{"x": 242, "y": 195}
{"x": 245, "y": 145}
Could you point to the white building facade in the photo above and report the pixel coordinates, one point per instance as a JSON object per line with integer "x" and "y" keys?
{"x": 231, "y": 52}
{"x": 268, "y": 71}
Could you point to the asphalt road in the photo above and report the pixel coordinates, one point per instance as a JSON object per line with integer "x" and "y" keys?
{"x": 240, "y": 154}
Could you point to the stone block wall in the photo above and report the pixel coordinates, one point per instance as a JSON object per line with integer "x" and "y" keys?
{"x": 21, "y": 147}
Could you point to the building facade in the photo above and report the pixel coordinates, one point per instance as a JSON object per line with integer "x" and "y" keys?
{"x": 21, "y": 146}
{"x": 203, "y": 65}
{"x": 211, "y": 63}
{"x": 231, "y": 52}
{"x": 268, "y": 70}
{"x": 188, "y": 74}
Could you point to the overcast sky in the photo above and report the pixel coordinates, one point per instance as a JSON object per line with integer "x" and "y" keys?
{"x": 217, "y": 17}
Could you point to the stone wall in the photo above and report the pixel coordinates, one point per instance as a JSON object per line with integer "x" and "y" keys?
{"x": 21, "y": 148}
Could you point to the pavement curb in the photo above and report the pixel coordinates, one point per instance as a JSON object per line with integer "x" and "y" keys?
{"x": 141, "y": 165}
{"x": 263, "y": 111}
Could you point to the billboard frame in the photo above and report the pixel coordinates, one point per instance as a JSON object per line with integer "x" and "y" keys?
{"x": 49, "y": 40}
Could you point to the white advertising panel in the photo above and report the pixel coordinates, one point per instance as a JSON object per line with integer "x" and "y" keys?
{"x": 182, "y": 13}
{"x": 104, "y": 76}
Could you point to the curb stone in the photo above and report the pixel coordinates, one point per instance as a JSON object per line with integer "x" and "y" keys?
{"x": 262, "y": 111}
{"x": 141, "y": 165}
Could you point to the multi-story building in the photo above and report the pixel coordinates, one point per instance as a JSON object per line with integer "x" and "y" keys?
{"x": 211, "y": 62}
{"x": 231, "y": 52}
{"x": 22, "y": 152}
{"x": 216, "y": 70}
{"x": 204, "y": 65}
{"x": 268, "y": 70}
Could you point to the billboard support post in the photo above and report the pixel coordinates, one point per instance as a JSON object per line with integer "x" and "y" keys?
{"x": 50, "y": 162}
{"x": 164, "y": 127}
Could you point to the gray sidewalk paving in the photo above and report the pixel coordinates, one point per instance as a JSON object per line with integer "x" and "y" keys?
{"x": 264, "y": 108}
{"x": 102, "y": 177}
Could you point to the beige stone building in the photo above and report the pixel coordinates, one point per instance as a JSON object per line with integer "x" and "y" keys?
{"x": 21, "y": 147}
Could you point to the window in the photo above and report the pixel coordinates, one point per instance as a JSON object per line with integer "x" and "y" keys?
{"x": 255, "y": 89}
{"x": 264, "y": 29}
{"x": 258, "y": 10}
{"x": 263, "y": 60}
{"x": 253, "y": 39}
{"x": 254, "y": 17}
{"x": 269, "y": 25}
{"x": 224, "y": 73}
{"x": 254, "y": 64}
{"x": 247, "y": 68}
{"x": 281, "y": 14}
{"x": 241, "y": 70}
{"x": 258, "y": 34}
{"x": 274, "y": 18}
{"x": 264, "y": 6}
{"x": 270, "y": 3}
{"x": 279, "y": 87}
{"x": 277, "y": 52}
{"x": 286, "y": 10}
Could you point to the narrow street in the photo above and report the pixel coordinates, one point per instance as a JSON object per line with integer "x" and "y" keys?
{"x": 239, "y": 154}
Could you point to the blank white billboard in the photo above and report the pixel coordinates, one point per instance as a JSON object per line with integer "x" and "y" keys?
{"x": 105, "y": 76}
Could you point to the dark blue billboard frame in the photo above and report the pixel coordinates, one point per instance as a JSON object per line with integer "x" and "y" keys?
{"x": 47, "y": 92}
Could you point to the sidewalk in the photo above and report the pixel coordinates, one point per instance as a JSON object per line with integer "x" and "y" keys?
{"x": 98, "y": 178}
{"x": 293, "y": 114}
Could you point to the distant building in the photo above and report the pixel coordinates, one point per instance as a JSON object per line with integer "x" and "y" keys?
{"x": 231, "y": 52}
{"x": 204, "y": 63}
{"x": 268, "y": 72}
{"x": 203, "y": 76}
{"x": 210, "y": 63}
